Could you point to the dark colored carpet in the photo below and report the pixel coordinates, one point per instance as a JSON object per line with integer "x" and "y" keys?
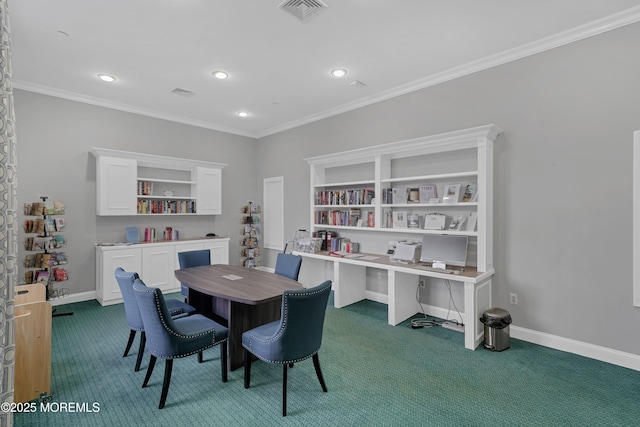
{"x": 377, "y": 375}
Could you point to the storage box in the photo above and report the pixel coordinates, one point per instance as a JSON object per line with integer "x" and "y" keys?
{"x": 307, "y": 244}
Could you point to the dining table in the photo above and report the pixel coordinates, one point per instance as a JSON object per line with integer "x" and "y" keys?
{"x": 240, "y": 298}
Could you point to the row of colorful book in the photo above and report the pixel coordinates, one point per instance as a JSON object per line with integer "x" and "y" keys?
{"x": 166, "y": 206}
{"x": 345, "y": 197}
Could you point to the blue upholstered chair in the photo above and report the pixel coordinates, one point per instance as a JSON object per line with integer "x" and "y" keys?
{"x": 125, "y": 281}
{"x": 193, "y": 259}
{"x": 295, "y": 337}
{"x": 288, "y": 265}
{"x": 170, "y": 338}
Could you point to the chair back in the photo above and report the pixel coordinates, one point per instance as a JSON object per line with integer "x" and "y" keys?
{"x": 125, "y": 281}
{"x": 302, "y": 322}
{"x": 194, "y": 258}
{"x": 159, "y": 326}
{"x": 288, "y": 265}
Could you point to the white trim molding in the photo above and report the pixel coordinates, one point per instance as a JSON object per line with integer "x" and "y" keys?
{"x": 603, "y": 354}
{"x": 636, "y": 218}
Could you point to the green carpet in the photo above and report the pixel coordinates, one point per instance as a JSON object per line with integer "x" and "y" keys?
{"x": 377, "y": 375}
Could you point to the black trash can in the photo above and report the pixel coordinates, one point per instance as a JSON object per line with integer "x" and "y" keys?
{"x": 496, "y": 329}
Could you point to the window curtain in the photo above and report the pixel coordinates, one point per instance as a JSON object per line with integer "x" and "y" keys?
{"x": 8, "y": 217}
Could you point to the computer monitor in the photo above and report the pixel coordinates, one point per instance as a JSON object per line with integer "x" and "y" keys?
{"x": 452, "y": 250}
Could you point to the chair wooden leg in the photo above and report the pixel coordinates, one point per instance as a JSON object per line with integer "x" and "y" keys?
{"x": 247, "y": 368}
{"x": 168, "y": 365}
{"x": 132, "y": 335}
{"x": 152, "y": 363}
{"x": 200, "y": 357}
{"x": 223, "y": 360}
{"x": 284, "y": 389}
{"x": 316, "y": 364}
{"x": 143, "y": 340}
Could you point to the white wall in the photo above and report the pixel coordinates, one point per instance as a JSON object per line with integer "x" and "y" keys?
{"x": 563, "y": 177}
{"x": 54, "y": 139}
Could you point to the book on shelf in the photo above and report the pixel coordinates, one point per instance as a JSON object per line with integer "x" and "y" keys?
{"x": 470, "y": 193}
{"x": 49, "y": 225}
{"x": 132, "y": 234}
{"x": 472, "y": 220}
{"x": 59, "y": 224}
{"x": 60, "y": 274}
{"x": 435, "y": 221}
{"x": 413, "y": 220}
{"x": 451, "y": 193}
{"x": 457, "y": 223}
{"x": 399, "y": 195}
{"x": 42, "y": 276}
{"x": 371, "y": 219}
{"x": 427, "y": 192}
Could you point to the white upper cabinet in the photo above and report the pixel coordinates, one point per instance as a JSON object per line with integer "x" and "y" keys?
{"x": 143, "y": 184}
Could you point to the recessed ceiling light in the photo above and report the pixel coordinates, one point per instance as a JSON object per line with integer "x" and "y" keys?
{"x": 339, "y": 72}
{"x": 106, "y": 78}
{"x": 220, "y": 75}
{"x": 242, "y": 114}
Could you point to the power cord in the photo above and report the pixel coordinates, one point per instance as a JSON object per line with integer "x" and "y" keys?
{"x": 425, "y": 321}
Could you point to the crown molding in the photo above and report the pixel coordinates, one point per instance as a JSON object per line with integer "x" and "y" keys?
{"x": 611, "y": 22}
{"x": 608, "y": 23}
{"x": 72, "y": 96}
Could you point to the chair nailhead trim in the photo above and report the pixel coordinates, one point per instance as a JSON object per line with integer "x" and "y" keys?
{"x": 281, "y": 330}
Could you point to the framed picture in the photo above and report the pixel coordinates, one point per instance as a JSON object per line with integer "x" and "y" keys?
{"x": 451, "y": 193}
{"x": 399, "y": 219}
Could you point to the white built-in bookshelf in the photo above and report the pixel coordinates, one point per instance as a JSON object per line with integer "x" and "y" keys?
{"x": 144, "y": 184}
{"x": 390, "y": 188}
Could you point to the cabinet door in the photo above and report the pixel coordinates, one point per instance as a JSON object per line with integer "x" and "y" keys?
{"x": 158, "y": 267}
{"x": 219, "y": 251}
{"x": 116, "y": 186}
{"x": 108, "y": 291}
{"x": 208, "y": 191}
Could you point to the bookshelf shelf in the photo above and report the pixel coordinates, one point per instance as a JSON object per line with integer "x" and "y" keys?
{"x": 437, "y": 177}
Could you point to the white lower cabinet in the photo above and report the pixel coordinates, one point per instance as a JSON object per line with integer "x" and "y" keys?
{"x": 154, "y": 262}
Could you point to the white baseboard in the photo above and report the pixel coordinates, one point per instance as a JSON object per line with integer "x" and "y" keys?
{"x": 604, "y": 354}
{"x": 68, "y": 299}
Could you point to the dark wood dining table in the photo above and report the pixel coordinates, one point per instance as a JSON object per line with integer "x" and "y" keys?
{"x": 238, "y": 297}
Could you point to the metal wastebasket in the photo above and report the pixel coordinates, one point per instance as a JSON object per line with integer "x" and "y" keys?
{"x": 496, "y": 329}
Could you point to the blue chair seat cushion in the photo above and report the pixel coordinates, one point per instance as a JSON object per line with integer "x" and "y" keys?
{"x": 265, "y": 344}
{"x": 196, "y": 333}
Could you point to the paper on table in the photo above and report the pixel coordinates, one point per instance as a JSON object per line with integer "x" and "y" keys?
{"x": 232, "y": 277}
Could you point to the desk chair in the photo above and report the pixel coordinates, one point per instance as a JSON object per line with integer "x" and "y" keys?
{"x": 125, "y": 281}
{"x": 295, "y": 337}
{"x": 171, "y": 338}
{"x": 193, "y": 259}
{"x": 288, "y": 265}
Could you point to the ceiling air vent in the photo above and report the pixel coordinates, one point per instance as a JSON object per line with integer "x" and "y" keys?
{"x": 303, "y": 10}
{"x": 182, "y": 92}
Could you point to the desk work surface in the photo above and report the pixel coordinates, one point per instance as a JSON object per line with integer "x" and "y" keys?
{"x": 252, "y": 287}
{"x": 383, "y": 261}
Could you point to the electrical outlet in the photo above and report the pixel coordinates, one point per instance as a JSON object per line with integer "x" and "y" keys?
{"x": 514, "y": 298}
{"x": 421, "y": 283}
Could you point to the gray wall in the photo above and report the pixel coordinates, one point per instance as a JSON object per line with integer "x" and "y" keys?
{"x": 55, "y": 137}
{"x": 563, "y": 177}
{"x": 563, "y": 193}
